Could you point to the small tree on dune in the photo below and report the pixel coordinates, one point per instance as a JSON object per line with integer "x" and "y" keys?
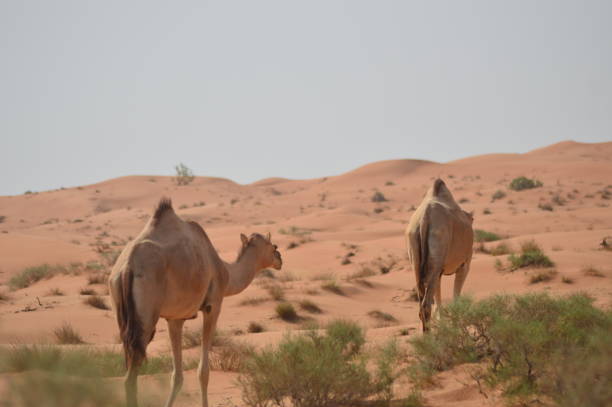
{"x": 184, "y": 175}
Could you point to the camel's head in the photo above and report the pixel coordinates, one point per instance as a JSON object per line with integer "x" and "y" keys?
{"x": 267, "y": 250}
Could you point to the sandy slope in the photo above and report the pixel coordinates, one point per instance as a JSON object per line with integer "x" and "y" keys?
{"x": 327, "y": 218}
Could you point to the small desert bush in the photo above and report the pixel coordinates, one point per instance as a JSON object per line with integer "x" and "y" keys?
{"x": 592, "y": 271}
{"x": 542, "y": 276}
{"x": 277, "y": 293}
{"x": 31, "y": 275}
{"x": 96, "y": 278}
{"x": 379, "y": 197}
{"x": 521, "y": 183}
{"x": 309, "y": 306}
{"x": 484, "y": 236}
{"x": 333, "y": 287}
{"x": 55, "y": 292}
{"x": 545, "y": 207}
{"x": 254, "y": 301}
{"x": 413, "y": 295}
{"x": 499, "y": 194}
{"x": 363, "y": 272}
{"x": 330, "y": 367}
{"x": 67, "y": 335}
{"x": 230, "y": 357}
{"x": 286, "y": 312}
{"x": 96, "y": 301}
{"x": 500, "y": 250}
{"x": 525, "y": 344}
{"x": 255, "y": 327}
{"x": 184, "y": 175}
{"x": 87, "y": 291}
{"x": 567, "y": 280}
{"x": 384, "y": 317}
{"x": 531, "y": 256}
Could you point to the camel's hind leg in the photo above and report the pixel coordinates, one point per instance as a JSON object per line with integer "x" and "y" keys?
{"x": 211, "y": 314}
{"x": 133, "y": 366}
{"x": 175, "y": 330}
{"x": 460, "y": 277}
{"x": 438, "y": 296}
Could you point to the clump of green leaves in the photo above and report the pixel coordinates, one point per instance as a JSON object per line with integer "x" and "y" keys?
{"x": 531, "y": 256}
{"x": 521, "y": 183}
{"x": 529, "y": 345}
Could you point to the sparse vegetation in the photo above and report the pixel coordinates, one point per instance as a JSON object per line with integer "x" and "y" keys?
{"x": 382, "y": 316}
{"x": 333, "y": 287}
{"x": 96, "y": 301}
{"x": 592, "y": 271}
{"x": 545, "y": 206}
{"x": 486, "y": 211}
{"x": 67, "y": 335}
{"x": 191, "y": 338}
{"x": 87, "y": 291}
{"x": 184, "y": 175}
{"x": 542, "y": 276}
{"x": 230, "y": 357}
{"x": 4, "y": 297}
{"x": 55, "y": 292}
{"x": 528, "y": 345}
{"x": 309, "y": 306}
{"x": 31, "y": 275}
{"x": 331, "y": 369}
{"x": 484, "y": 236}
{"x": 2, "y": 218}
{"x": 499, "y": 194}
{"x": 255, "y": 327}
{"x": 253, "y": 301}
{"x": 97, "y": 278}
{"x": 531, "y": 256}
{"x": 286, "y": 312}
{"x": 379, "y": 197}
{"x": 567, "y": 280}
{"x": 522, "y": 183}
{"x": 363, "y": 272}
{"x": 277, "y": 293}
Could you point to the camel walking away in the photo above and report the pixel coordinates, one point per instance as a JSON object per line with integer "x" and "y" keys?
{"x": 171, "y": 270}
{"x": 439, "y": 239}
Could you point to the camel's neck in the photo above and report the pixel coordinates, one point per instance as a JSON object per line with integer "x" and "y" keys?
{"x": 242, "y": 272}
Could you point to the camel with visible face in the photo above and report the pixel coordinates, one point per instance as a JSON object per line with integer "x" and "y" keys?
{"x": 439, "y": 239}
{"x": 172, "y": 271}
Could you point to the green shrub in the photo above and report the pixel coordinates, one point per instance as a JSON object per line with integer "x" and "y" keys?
{"x": 521, "y": 183}
{"x": 499, "y": 194}
{"x": 531, "y": 256}
{"x": 501, "y": 249}
{"x": 542, "y": 276}
{"x": 31, "y": 275}
{"x": 286, "y": 312}
{"x": 523, "y": 342}
{"x": 315, "y": 370}
{"x": 484, "y": 236}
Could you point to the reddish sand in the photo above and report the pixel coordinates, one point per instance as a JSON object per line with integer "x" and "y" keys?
{"x": 327, "y": 218}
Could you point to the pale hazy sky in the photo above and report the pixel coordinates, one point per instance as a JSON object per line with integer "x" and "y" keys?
{"x": 91, "y": 90}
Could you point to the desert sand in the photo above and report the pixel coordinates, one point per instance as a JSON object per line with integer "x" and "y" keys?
{"x": 316, "y": 224}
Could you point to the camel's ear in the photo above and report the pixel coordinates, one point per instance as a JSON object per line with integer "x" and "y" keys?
{"x": 245, "y": 240}
{"x": 269, "y": 237}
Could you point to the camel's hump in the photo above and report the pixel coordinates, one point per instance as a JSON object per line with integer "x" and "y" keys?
{"x": 164, "y": 205}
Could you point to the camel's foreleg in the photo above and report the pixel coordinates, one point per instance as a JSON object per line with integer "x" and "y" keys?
{"x": 460, "y": 277}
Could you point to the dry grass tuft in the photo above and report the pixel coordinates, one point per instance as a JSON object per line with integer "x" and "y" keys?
{"x": 286, "y": 312}
{"x": 97, "y": 302}
{"x": 67, "y": 335}
{"x": 592, "y": 271}
{"x": 191, "y": 339}
{"x": 333, "y": 287}
{"x": 255, "y": 327}
{"x": 253, "y": 301}
{"x": 55, "y": 292}
{"x": 310, "y": 306}
{"x": 277, "y": 293}
{"x": 88, "y": 291}
{"x": 384, "y": 317}
{"x": 542, "y": 276}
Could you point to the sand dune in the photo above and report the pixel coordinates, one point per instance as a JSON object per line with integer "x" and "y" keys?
{"x": 316, "y": 224}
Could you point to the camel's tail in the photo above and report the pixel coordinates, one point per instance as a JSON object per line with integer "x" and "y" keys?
{"x": 130, "y": 326}
{"x": 424, "y": 252}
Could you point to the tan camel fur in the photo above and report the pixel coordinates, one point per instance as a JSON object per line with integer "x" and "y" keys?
{"x": 439, "y": 239}
{"x": 171, "y": 270}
